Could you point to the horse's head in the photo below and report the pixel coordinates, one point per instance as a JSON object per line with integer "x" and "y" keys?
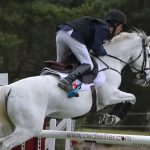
{"x": 131, "y": 49}
{"x": 140, "y": 58}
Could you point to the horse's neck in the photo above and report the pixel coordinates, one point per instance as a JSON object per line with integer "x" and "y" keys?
{"x": 121, "y": 50}
{"x": 116, "y": 53}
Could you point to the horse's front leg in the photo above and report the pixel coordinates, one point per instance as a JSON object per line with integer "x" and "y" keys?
{"x": 126, "y": 102}
{"x": 19, "y": 136}
{"x": 118, "y": 96}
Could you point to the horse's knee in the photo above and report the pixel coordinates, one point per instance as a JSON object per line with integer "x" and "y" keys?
{"x": 132, "y": 100}
{"x": 105, "y": 103}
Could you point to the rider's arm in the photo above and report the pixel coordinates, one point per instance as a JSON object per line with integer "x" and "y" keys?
{"x": 101, "y": 34}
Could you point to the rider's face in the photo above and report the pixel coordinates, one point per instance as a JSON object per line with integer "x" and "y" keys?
{"x": 119, "y": 29}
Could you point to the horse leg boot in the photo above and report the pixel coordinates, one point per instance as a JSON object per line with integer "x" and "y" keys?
{"x": 66, "y": 83}
{"x": 121, "y": 110}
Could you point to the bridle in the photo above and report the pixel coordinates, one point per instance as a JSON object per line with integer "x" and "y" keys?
{"x": 142, "y": 73}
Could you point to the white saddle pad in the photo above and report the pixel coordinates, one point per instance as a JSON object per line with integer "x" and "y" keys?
{"x": 99, "y": 80}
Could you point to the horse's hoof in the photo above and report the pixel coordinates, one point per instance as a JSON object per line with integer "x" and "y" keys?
{"x": 111, "y": 120}
{"x": 102, "y": 118}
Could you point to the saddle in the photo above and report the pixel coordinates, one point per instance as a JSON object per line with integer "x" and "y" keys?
{"x": 68, "y": 68}
{"x": 61, "y": 67}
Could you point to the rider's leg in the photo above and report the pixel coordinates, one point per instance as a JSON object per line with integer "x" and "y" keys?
{"x": 66, "y": 83}
{"x": 62, "y": 49}
{"x": 81, "y": 53}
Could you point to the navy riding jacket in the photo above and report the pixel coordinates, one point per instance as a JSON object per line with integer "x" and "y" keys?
{"x": 89, "y": 31}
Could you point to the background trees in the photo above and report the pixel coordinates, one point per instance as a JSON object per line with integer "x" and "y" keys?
{"x": 28, "y": 27}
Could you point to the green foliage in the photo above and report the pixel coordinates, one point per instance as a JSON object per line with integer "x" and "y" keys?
{"x": 31, "y": 26}
{"x": 8, "y": 41}
{"x": 28, "y": 29}
{"x": 70, "y": 3}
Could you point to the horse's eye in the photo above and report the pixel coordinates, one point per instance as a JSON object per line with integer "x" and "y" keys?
{"x": 148, "y": 55}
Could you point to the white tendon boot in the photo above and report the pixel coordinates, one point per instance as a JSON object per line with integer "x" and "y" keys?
{"x": 111, "y": 120}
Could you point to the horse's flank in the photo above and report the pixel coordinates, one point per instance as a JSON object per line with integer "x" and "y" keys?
{"x": 5, "y": 123}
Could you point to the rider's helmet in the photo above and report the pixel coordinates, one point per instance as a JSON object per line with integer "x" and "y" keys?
{"x": 116, "y": 16}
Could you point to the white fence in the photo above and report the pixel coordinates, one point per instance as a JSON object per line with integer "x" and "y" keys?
{"x": 66, "y": 124}
{"x": 103, "y": 138}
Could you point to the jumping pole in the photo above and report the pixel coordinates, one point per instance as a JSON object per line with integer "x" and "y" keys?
{"x": 103, "y": 138}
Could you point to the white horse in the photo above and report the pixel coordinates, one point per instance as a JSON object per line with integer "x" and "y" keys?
{"x": 25, "y": 103}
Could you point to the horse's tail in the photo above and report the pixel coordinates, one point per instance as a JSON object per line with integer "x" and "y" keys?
{"x": 5, "y": 123}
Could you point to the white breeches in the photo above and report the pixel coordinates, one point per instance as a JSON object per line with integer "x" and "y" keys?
{"x": 67, "y": 45}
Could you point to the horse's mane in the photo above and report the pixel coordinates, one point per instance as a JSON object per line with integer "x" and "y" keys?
{"x": 127, "y": 35}
{"x": 140, "y": 33}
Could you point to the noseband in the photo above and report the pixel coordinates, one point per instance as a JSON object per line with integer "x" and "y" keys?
{"x": 141, "y": 72}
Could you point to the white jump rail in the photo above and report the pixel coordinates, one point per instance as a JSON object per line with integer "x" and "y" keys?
{"x": 103, "y": 138}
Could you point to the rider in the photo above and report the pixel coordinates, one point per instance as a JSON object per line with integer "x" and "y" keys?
{"x": 81, "y": 35}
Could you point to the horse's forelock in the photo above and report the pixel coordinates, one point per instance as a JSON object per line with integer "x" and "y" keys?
{"x": 141, "y": 34}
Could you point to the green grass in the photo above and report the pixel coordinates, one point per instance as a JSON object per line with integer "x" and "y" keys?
{"x": 114, "y": 131}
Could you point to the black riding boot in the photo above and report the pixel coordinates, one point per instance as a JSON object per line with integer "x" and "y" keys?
{"x": 66, "y": 83}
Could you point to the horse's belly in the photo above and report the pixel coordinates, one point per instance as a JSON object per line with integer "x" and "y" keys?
{"x": 64, "y": 107}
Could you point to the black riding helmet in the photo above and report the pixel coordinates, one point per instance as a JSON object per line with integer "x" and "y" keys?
{"x": 116, "y": 16}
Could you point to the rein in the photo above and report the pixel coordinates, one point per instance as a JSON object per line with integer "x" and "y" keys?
{"x": 108, "y": 67}
{"x": 143, "y": 68}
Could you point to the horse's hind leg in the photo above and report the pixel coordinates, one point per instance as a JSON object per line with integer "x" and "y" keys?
{"x": 16, "y": 138}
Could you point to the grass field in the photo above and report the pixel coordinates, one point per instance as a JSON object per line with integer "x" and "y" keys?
{"x": 114, "y": 131}
{"x": 90, "y": 146}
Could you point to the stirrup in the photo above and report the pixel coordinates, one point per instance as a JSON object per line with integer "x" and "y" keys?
{"x": 65, "y": 86}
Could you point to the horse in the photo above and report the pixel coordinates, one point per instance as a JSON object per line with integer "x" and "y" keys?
{"x": 25, "y": 103}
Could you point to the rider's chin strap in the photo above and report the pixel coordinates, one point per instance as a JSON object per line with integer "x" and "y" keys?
{"x": 114, "y": 29}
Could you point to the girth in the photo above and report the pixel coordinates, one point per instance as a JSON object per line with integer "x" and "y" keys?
{"x": 93, "y": 108}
